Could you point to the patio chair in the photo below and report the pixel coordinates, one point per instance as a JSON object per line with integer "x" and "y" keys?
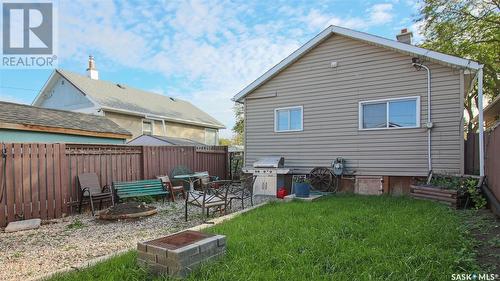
{"x": 173, "y": 189}
{"x": 91, "y": 190}
{"x": 241, "y": 191}
{"x": 180, "y": 170}
{"x": 204, "y": 180}
{"x": 212, "y": 195}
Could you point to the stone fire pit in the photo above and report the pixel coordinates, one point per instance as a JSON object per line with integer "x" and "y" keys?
{"x": 178, "y": 254}
{"x": 127, "y": 210}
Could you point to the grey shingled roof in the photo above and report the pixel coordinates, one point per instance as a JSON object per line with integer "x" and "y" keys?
{"x": 14, "y": 113}
{"x": 124, "y": 97}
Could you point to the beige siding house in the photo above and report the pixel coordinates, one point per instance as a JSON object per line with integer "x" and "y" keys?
{"x": 138, "y": 111}
{"x": 358, "y": 96}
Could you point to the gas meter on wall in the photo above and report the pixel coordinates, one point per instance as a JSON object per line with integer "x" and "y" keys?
{"x": 338, "y": 166}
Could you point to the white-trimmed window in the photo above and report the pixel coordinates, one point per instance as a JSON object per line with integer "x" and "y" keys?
{"x": 288, "y": 119}
{"x": 394, "y": 113}
{"x": 211, "y": 136}
{"x": 147, "y": 127}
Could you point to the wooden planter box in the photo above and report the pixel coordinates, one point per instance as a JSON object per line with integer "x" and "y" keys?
{"x": 445, "y": 196}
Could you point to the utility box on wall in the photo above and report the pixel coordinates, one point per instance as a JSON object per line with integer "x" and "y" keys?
{"x": 369, "y": 185}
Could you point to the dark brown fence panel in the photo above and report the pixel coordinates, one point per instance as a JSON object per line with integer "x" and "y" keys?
{"x": 109, "y": 162}
{"x": 492, "y": 160}
{"x": 42, "y": 203}
{"x": 18, "y": 174}
{"x": 9, "y": 183}
{"x": 31, "y": 182}
{"x": 160, "y": 160}
{"x": 50, "y": 182}
{"x": 212, "y": 159}
{"x": 471, "y": 154}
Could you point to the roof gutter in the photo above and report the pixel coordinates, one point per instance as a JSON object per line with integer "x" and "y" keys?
{"x": 160, "y": 117}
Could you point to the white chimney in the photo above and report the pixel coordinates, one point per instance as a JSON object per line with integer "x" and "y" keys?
{"x": 405, "y": 36}
{"x": 92, "y": 72}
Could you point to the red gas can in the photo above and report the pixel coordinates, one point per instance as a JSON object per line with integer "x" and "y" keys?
{"x": 282, "y": 193}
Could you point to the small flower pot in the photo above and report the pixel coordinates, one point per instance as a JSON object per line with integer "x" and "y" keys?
{"x": 302, "y": 190}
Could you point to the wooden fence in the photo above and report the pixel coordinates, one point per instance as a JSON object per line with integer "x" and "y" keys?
{"x": 471, "y": 154}
{"x": 41, "y": 179}
{"x": 492, "y": 160}
{"x": 491, "y": 157}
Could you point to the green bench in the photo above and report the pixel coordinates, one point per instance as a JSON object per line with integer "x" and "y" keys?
{"x": 139, "y": 188}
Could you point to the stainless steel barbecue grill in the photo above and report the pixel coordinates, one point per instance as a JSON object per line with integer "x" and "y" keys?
{"x": 270, "y": 173}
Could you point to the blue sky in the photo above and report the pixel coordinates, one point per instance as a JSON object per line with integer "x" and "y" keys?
{"x": 204, "y": 52}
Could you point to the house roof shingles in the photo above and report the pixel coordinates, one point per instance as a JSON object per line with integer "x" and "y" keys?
{"x": 13, "y": 113}
{"x": 123, "y": 97}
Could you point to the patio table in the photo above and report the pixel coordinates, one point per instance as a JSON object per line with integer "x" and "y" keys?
{"x": 191, "y": 178}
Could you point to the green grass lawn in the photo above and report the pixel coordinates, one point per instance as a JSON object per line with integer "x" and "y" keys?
{"x": 343, "y": 237}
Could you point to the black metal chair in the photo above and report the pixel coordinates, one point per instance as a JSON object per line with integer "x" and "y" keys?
{"x": 212, "y": 195}
{"x": 91, "y": 190}
{"x": 242, "y": 190}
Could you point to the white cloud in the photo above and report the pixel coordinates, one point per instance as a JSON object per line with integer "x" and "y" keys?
{"x": 381, "y": 13}
{"x": 416, "y": 28}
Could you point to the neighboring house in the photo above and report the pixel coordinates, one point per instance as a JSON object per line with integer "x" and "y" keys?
{"x": 359, "y": 96}
{"x": 25, "y": 123}
{"x": 161, "y": 140}
{"x": 138, "y": 111}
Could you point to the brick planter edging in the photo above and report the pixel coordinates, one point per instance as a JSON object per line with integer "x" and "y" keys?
{"x": 180, "y": 262}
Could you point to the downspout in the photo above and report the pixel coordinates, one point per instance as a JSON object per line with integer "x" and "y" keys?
{"x": 480, "y": 118}
{"x": 429, "y": 124}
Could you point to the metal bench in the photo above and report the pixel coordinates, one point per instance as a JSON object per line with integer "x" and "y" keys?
{"x": 139, "y": 188}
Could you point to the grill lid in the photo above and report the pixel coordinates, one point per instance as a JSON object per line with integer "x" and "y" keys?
{"x": 269, "y": 162}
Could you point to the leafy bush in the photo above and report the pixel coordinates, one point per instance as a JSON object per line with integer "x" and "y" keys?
{"x": 474, "y": 193}
{"x": 446, "y": 181}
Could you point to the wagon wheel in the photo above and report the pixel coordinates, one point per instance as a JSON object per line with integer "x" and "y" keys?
{"x": 321, "y": 178}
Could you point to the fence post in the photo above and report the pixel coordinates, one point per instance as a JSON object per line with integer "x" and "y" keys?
{"x": 65, "y": 181}
{"x": 143, "y": 163}
{"x": 226, "y": 160}
{"x": 195, "y": 158}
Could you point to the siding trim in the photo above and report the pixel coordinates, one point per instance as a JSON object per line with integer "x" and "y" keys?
{"x": 360, "y": 113}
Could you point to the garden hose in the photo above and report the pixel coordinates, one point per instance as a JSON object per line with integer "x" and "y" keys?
{"x": 4, "y": 160}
